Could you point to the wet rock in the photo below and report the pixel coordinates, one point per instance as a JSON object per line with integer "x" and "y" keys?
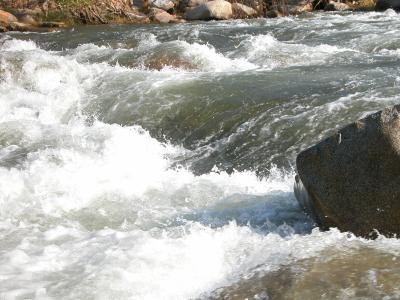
{"x": 7, "y": 18}
{"x": 213, "y": 10}
{"x": 162, "y": 61}
{"x": 3, "y": 29}
{"x": 382, "y": 5}
{"x": 351, "y": 180}
{"x": 336, "y": 6}
{"x": 241, "y": 11}
{"x": 161, "y": 16}
{"x": 364, "y": 273}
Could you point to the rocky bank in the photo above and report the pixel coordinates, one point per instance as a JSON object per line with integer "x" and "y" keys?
{"x": 39, "y": 15}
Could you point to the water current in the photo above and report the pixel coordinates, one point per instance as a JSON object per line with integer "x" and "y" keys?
{"x": 157, "y": 162}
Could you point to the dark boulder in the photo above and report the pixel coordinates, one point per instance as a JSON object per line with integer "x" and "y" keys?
{"x": 382, "y": 5}
{"x": 351, "y": 180}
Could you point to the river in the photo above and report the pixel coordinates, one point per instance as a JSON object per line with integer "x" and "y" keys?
{"x": 157, "y": 162}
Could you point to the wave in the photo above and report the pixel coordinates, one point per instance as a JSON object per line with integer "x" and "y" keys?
{"x": 71, "y": 176}
{"x": 93, "y": 205}
{"x": 269, "y": 53}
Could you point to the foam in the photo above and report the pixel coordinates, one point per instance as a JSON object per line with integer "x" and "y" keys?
{"x": 96, "y": 210}
{"x": 269, "y": 53}
{"x": 74, "y": 180}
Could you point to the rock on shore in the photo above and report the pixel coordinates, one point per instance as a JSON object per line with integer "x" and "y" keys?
{"x": 7, "y": 18}
{"x": 336, "y": 6}
{"x": 241, "y": 11}
{"x": 25, "y": 22}
{"x": 212, "y": 10}
{"x": 351, "y": 180}
{"x": 33, "y": 13}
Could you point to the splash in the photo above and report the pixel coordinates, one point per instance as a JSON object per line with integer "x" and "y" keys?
{"x": 97, "y": 199}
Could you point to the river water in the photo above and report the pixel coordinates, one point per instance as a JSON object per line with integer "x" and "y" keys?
{"x": 157, "y": 162}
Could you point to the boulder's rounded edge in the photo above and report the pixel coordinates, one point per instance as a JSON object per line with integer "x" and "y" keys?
{"x": 311, "y": 204}
{"x": 303, "y": 197}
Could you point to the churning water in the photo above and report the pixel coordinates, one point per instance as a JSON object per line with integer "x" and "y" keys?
{"x": 157, "y": 162}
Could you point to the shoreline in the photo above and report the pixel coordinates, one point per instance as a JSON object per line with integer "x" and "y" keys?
{"x": 54, "y": 15}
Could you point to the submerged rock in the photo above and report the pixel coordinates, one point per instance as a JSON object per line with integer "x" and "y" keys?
{"x": 364, "y": 273}
{"x": 382, "y": 5}
{"x": 351, "y": 180}
{"x": 213, "y": 10}
{"x": 162, "y": 61}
